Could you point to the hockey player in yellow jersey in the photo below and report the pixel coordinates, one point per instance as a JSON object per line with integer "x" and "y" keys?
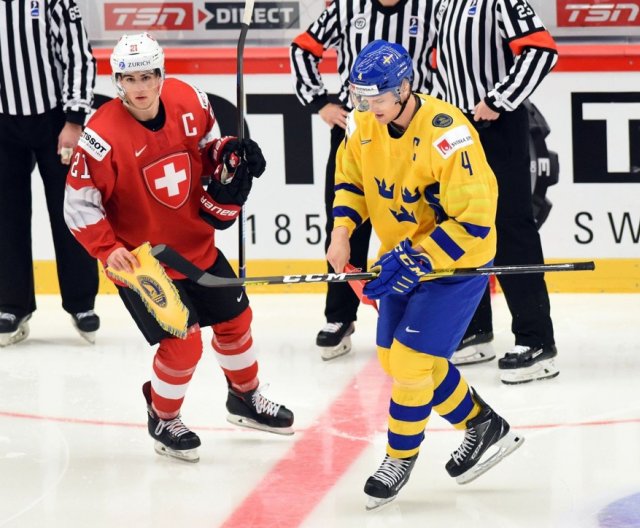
{"x": 414, "y": 166}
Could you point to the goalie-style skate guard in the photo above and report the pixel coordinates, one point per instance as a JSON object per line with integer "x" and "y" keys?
{"x": 12, "y": 329}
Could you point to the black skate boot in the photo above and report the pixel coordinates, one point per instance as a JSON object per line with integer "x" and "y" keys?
{"x": 172, "y": 437}
{"x": 383, "y": 486}
{"x": 13, "y": 329}
{"x": 87, "y": 324}
{"x": 473, "y": 349}
{"x": 252, "y": 409}
{"x": 473, "y": 458}
{"x": 523, "y": 364}
{"x": 334, "y": 340}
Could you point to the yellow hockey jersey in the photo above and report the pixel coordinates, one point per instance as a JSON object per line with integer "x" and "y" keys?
{"x": 432, "y": 185}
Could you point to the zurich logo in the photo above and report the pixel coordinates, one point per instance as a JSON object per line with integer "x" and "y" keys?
{"x": 122, "y": 65}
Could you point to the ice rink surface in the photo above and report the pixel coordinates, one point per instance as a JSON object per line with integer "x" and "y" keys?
{"x": 74, "y": 451}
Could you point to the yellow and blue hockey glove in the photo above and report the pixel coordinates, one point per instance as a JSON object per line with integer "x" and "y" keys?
{"x": 399, "y": 271}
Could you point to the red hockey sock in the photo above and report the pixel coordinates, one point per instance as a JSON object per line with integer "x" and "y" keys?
{"x": 235, "y": 352}
{"x": 173, "y": 366}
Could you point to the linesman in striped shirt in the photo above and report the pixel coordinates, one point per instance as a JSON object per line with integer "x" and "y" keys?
{"x": 348, "y": 26}
{"x": 491, "y": 56}
{"x": 47, "y": 75}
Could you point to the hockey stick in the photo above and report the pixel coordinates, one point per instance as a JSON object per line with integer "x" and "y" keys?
{"x": 242, "y": 220}
{"x": 174, "y": 260}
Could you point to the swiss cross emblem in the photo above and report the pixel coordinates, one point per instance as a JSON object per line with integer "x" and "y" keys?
{"x": 169, "y": 179}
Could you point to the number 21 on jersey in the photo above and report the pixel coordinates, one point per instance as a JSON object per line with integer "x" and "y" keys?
{"x": 79, "y": 167}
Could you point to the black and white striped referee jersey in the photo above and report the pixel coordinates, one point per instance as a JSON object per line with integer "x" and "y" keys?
{"x": 45, "y": 59}
{"x": 496, "y": 50}
{"x": 348, "y": 26}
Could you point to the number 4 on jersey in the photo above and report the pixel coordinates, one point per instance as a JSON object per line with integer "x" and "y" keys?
{"x": 466, "y": 163}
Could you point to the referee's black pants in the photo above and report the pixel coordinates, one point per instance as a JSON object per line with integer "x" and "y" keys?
{"x": 23, "y": 138}
{"x": 341, "y": 303}
{"x": 506, "y": 144}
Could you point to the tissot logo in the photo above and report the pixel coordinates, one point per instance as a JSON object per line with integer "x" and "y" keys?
{"x": 171, "y": 16}
{"x": 572, "y": 13}
{"x": 606, "y": 135}
{"x": 266, "y": 15}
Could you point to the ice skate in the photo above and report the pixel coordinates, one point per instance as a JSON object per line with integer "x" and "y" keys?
{"x": 475, "y": 455}
{"x": 252, "y": 409}
{"x": 473, "y": 349}
{"x": 524, "y": 364}
{"x": 334, "y": 341}
{"x": 13, "y": 329}
{"x": 383, "y": 486}
{"x": 87, "y": 324}
{"x": 172, "y": 437}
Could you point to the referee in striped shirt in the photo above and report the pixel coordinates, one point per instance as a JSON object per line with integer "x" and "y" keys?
{"x": 491, "y": 56}
{"x": 47, "y": 75}
{"x": 348, "y": 26}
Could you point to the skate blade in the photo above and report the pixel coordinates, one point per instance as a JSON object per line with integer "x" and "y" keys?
{"x": 505, "y": 446}
{"x": 484, "y": 353}
{"x": 539, "y": 371}
{"x": 375, "y": 503}
{"x": 90, "y": 337}
{"x": 329, "y": 353}
{"x": 15, "y": 337}
{"x": 187, "y": 455}
{"x": 252, "y": 424}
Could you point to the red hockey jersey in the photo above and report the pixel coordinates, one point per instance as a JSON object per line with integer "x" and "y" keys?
{"x": 127, "y": 184}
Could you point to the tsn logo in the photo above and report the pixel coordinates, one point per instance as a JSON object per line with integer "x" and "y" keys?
{"x": 592, "y": 13}
{"x": 134, "y": 15}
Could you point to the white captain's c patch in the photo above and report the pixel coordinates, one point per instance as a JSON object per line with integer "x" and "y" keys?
{"x": 453, "y": 140}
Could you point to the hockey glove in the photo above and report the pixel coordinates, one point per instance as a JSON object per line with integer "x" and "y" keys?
{"x": 236, "y": 191}
{"x": 400, "y": 271}
{"x": 252, "y": 155}
{"x": 226, "y": 155}
{"x": 229, "y": 153}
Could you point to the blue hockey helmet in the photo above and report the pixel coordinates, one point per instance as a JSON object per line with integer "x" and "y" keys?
{"x": 380, "y": 67}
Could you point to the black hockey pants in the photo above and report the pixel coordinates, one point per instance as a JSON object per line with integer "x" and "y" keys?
{"x": 341, "y": 303}
{"x": 23, "y": 139}
{"x": 506, "y": 145}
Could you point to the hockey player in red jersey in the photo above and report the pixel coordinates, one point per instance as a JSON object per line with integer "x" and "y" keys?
{"x": 136, "y": 177}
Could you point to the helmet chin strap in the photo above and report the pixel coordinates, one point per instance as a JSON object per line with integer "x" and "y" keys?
{"x": 403, "y": 105}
